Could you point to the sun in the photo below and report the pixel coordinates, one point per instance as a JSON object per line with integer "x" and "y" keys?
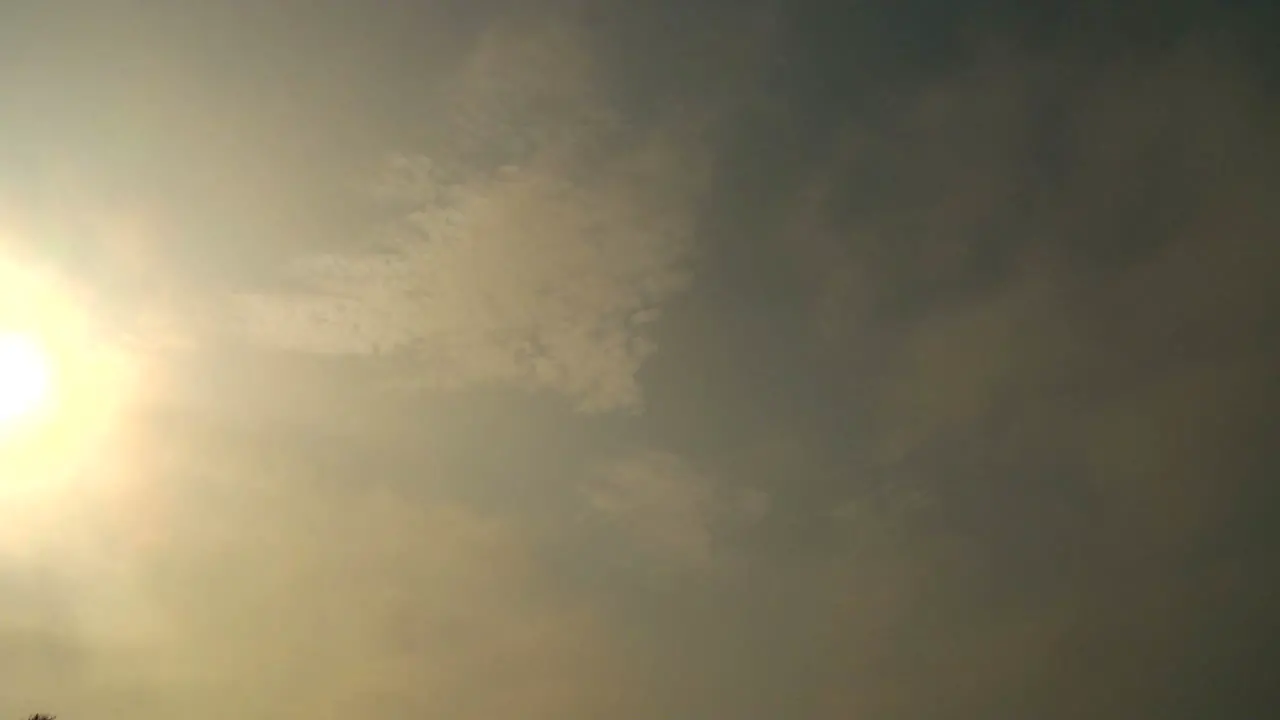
{"x": 67, "y": 386}
{"x": 26, "y": 377}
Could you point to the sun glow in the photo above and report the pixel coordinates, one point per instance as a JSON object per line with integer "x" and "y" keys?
{"x": 26, "y": 377}
{"x": 63, "y": 386}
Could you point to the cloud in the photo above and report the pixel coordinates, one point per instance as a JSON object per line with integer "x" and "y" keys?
{"x": 521, "y": 275}
{"x": 676, "y": 516}
{"x": 1015, "y": 466}
{"x": 1053, "y": 320}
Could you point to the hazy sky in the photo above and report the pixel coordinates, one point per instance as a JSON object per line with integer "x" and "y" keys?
{"x": 577, "y": 359}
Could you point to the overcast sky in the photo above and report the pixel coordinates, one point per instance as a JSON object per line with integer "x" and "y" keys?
{"x": 679, "y": 359}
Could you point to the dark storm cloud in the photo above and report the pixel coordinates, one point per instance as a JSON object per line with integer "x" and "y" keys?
{"x": 1071, "y": 360}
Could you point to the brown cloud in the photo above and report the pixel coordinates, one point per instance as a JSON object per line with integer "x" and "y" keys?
{"x": 676, "y": 515}
{"x": 513, "y": 275}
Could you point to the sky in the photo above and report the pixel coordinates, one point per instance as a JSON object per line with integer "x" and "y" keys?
{"x": 689, "y": 359}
